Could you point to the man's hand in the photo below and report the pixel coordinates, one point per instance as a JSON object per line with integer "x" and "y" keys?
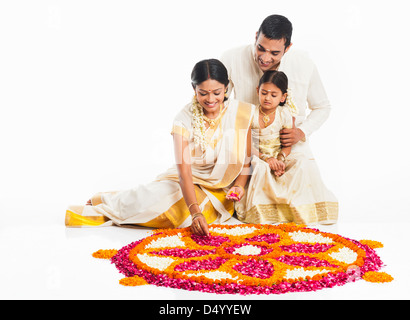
{"x": 289, "y": 137}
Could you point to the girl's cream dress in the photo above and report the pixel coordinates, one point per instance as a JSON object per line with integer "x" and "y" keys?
{"x": 298, "y": 196}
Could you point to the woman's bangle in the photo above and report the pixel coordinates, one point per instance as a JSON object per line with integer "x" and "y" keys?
{"x": 282, "y": 155}
{"x": 196, "y": 215}
{"x": 192, "y": 204}
{"x": 240, "y": 187}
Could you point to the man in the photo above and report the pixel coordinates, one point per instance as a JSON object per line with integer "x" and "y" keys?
{"x": 272, "y": 50}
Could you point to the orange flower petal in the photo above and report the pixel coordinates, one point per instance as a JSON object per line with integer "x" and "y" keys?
{"x": 280, "y": 269}
{"x": 105, "y": 254}
{"x": 373, "y": 276}
{"x": 372, "y": 244}
{"x": 133, "y": 281}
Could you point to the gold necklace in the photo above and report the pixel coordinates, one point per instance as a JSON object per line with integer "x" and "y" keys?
{"x": 266, "y": 117}
{"x": 212, "y": 122}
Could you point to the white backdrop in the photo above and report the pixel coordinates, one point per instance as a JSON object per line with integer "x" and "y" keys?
{"x": 88, "y": 91}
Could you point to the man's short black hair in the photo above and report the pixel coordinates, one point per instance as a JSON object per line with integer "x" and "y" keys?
{"x": 276, "y": 27}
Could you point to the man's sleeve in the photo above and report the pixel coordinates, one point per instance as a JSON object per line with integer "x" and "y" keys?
{"x": 318, "y": 103}
{"x": 226, "y": 59}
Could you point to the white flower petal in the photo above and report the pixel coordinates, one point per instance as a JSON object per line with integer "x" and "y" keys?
{"x": 248, "y": 250}
{"x": 160, "y": 263}
{"x": 238, "y": 231}
{"x": 303, "y": 273}
{"x": 345, "y": 255}
{"x": 300, "y": 236}
{"x": 170, "y": 241}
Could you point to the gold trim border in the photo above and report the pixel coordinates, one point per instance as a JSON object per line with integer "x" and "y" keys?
{"x": 321, "y": 212}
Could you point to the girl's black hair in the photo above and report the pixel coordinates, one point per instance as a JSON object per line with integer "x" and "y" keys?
{"x": 209, "y": 69}
{"x": 278, "y": 78}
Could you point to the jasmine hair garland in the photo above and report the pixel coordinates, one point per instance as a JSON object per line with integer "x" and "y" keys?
{"x": 198, "y": 124}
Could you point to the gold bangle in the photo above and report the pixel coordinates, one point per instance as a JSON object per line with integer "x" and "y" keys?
{"x": 281, "y": 155}
{"x": 240, "y": 187}
{"x": 196, "y": 215}
{"x": 195, "y": 203}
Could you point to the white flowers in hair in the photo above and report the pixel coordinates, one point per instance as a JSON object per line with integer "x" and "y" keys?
{"x": 198, "y": 124}
{"x": 291, "y": 105}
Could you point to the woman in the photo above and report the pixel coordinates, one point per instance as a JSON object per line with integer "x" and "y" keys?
{"x": 212, "y": 143}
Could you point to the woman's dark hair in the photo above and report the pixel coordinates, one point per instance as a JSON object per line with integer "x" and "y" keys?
{"x": 209, "y": 69}
{"x": 278, "y": 78}
{"x": 276, "y": 27}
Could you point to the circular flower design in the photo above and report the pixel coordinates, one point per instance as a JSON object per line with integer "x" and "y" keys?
{"x": 247, "y": 259}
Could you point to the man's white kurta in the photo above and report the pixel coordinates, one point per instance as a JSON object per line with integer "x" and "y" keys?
{"x": 304, "y": 82}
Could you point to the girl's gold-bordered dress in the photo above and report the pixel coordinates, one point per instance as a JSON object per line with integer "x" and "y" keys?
{"x": 299, "y": 195}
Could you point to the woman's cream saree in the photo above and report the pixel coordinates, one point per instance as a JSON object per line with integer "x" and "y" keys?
{"x": 160, "y": 204}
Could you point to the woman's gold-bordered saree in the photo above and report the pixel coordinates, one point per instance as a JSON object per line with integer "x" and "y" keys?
{"x": 160, "y": 204}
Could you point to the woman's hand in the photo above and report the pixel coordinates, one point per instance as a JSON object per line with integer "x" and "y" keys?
{"x": 235, "y": 193}
{"x": 199, "y": 225}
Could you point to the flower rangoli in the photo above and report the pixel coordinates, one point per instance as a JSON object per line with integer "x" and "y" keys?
{"x": 247, "y": 259}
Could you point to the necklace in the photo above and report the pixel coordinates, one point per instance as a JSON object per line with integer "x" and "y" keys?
{"x": 213, "y": 122}
{"x": 266, "y": 117}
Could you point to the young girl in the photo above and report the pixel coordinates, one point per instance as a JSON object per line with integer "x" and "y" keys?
{"x": 285, "y": 186}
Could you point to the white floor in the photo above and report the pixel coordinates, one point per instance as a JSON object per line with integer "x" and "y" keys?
{"x": 71, "y": 125}
{"x": 52, "y": 262}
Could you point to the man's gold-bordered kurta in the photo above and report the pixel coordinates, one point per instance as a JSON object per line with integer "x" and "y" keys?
{"x": 160, "y": 204}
